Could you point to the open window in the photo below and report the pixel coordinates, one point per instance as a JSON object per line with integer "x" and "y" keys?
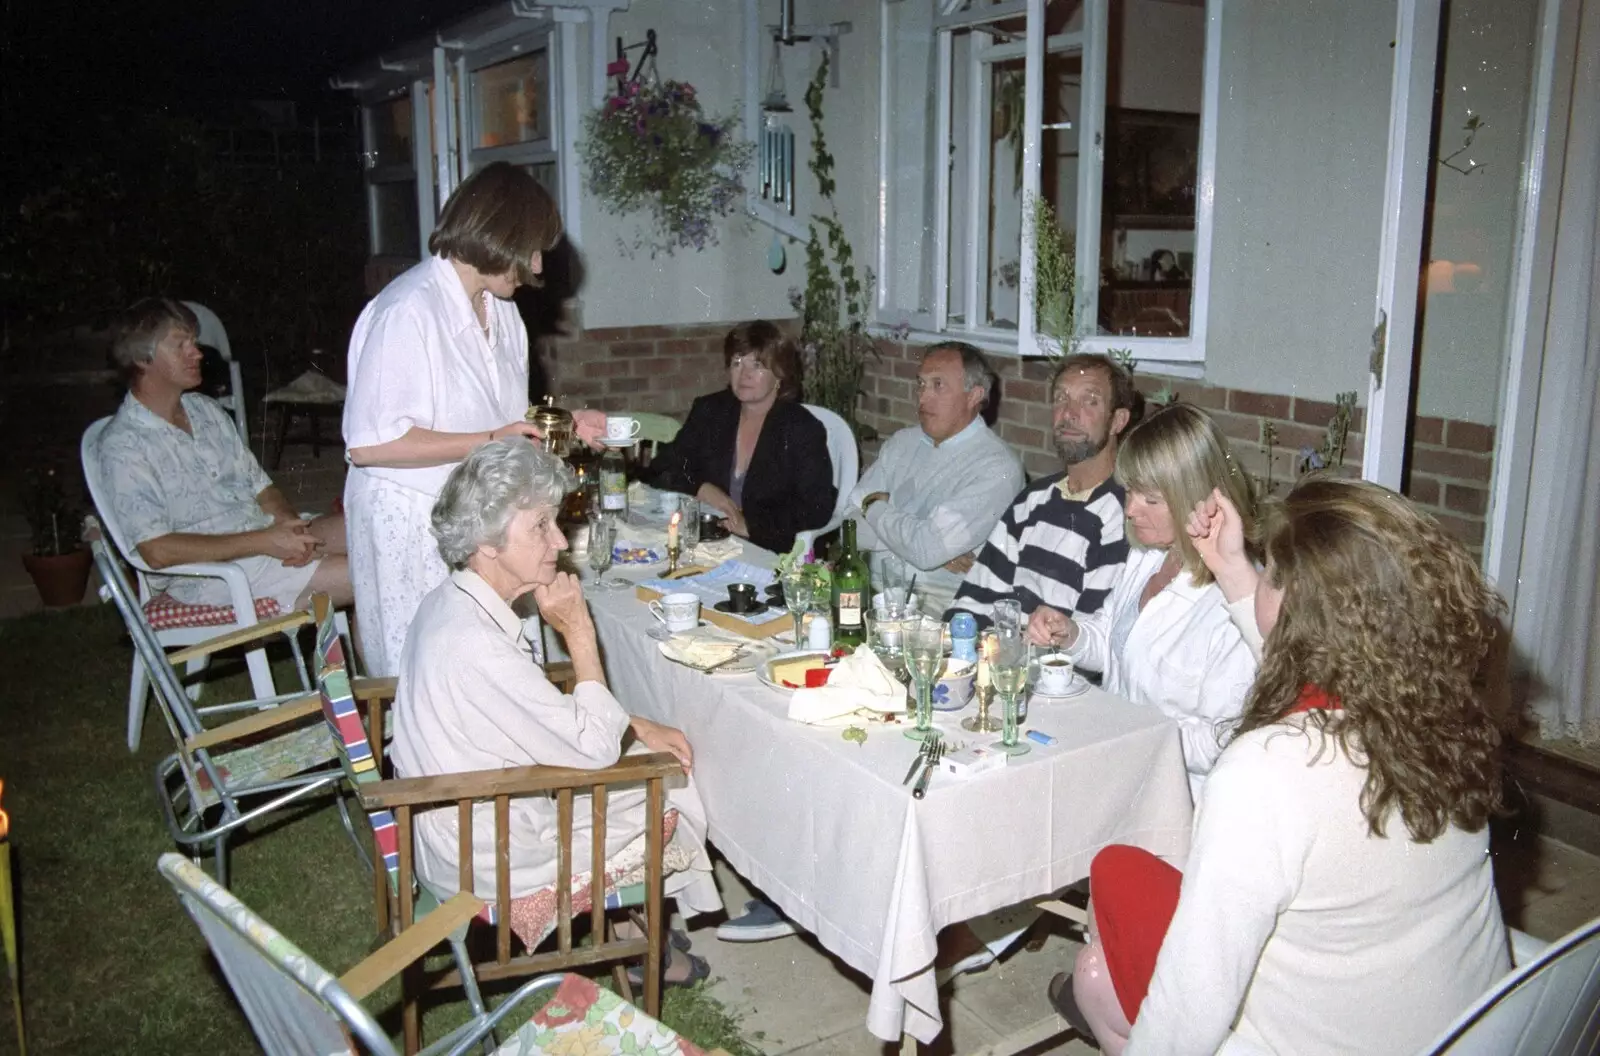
{"x": 1047, "y": 172}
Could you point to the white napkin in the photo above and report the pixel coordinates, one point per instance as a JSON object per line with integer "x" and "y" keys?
{"x": 858, "y": 681}
{"x": 715, "y": 551}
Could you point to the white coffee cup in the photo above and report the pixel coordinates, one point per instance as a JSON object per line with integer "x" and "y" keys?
{"x": 679, "y": 612}
{"x": 1055, "y": 674}
{"x": 620, "y": 428}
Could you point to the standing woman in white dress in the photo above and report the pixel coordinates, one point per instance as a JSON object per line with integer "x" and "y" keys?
{"x": 438, "y": 366}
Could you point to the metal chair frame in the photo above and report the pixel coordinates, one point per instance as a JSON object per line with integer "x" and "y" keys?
{"x": 183, "y": 778}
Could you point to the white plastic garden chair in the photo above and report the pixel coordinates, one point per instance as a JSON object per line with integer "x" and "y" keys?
{"x": 1548, "y": 1006}
{"x": 214, "y": 335}
{"x": 295, "y": 1006}
{"x": 175, "y": 624}
{"x": 846, "y": 458}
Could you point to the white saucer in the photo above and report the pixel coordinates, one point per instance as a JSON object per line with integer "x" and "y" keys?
{"x": 660, "y": 633}
{"x": 1079, "y": 687}
{"x": 608, "y": 442}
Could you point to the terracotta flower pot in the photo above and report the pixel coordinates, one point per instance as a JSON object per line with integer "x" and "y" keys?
{"x": 61, "y": 578}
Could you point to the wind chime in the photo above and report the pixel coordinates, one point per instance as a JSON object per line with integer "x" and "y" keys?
{"x": 777, "y": 138}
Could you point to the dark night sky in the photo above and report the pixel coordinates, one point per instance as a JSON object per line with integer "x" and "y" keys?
{"x": 85, "y": 52}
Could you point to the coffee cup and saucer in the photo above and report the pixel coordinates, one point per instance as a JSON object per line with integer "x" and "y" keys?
{"x": 622, "y": 430}
{"x": 742, "y": 601}
{"x": 676, "y": 613}
{"x": 1057, "y": 678}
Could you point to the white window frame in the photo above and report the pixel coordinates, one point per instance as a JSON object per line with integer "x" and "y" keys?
{"x": 417, "y": 168}
{"x": 532, "y": 152}
{"x": 1178, "y": 355}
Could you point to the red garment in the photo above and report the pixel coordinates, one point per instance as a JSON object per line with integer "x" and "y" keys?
{"x": 1135, "y": 895}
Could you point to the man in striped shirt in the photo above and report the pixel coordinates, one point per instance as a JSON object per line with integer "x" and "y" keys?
{"x": 1060, "y": 546}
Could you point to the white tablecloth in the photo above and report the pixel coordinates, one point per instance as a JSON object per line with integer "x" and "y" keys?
{"x": 825, "y": 828}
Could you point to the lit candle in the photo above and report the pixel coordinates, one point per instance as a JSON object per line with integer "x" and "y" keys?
{"x": 986, "y": 651}
{"x": 672, "y": 531}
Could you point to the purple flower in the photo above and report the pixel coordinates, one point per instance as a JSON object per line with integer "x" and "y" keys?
{"x": 797, "y": 299}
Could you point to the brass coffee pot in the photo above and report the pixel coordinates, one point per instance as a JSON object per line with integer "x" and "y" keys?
{"x": 556, "y": 425}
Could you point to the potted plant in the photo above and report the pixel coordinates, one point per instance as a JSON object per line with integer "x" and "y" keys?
{"x": 652, "y": 147}
{"x": 58, "y": 564}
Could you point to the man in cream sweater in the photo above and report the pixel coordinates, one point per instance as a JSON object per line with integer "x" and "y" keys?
{"x": 938, "y": 488}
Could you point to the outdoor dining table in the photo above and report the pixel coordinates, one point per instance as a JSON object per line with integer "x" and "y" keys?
{"x": 826, "y": 829}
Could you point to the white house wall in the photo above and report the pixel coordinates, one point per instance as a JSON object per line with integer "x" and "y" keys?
{"x": 1304, "y": 112}
{"x": 1300, "y": 166}
{"x": 703, "y": 42}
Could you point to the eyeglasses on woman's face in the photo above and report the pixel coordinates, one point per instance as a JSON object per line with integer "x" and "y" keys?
{"x": 750, "y": 363}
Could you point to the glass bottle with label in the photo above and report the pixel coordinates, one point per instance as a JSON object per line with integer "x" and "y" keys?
{"x": 851, "y": 590}
{"x": 613, "y": 483}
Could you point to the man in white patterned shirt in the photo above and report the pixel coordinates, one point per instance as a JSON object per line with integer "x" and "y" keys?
{"x": 185, "y": 488}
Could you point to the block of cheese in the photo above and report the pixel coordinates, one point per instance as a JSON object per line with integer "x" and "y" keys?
{"x": 793, "y": 672}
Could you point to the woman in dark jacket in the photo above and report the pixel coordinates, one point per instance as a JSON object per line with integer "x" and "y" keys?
{"x": 752, "y": 451}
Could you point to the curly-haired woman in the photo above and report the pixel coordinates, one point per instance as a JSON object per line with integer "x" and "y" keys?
{"x": 1339, "y": 895}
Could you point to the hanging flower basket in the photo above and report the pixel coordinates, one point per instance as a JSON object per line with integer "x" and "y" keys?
{"x": 652, "y": 148}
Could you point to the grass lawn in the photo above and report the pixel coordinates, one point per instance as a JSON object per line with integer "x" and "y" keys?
{"x": 110, "y": 961}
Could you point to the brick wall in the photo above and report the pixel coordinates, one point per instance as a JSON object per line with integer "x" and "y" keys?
{"x": 665, "y": 368}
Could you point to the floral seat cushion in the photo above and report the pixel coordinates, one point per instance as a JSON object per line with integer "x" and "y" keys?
{"x": 166, "y": 613}
{"x": 581, "y": 1019}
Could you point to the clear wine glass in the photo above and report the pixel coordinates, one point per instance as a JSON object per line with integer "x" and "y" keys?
{"x": 798, "y": 594}
{"x": 602, "y": 538}
{"x": 1009, "y": 675}
{"x": 924, "y": 653}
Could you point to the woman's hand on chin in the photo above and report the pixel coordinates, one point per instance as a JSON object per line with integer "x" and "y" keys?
{"x": 659, "y": 738}
{"x": 562, "y": 606}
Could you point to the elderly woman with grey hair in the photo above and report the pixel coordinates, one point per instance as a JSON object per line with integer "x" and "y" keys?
{"x": 471, "y": 697}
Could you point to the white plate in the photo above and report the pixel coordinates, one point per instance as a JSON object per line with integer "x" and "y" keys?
{"x": 756, "y": 655}
{"x": 764, "y": 671}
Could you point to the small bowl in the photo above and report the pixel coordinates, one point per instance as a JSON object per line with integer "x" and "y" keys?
{"x": 954, "y": 689}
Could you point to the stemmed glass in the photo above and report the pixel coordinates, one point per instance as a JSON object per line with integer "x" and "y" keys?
{"x": 924, "y": 653}
{"x": 1009, "y": 674}
{"x": 602, "y": 538}
{"x": 798, "y": 594}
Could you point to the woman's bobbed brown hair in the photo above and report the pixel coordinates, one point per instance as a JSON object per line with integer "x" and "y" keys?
{"x": 496, "y": 221}
{"x": 772, "y": 350}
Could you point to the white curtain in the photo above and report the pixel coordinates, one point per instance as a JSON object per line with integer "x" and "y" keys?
{"x": 1556, "y": 627}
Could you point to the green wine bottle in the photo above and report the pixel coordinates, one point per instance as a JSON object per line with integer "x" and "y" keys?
{"x": 851, "y": 591}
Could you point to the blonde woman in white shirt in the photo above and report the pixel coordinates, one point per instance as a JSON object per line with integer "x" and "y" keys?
{"x": 1339, "y": 895}
{"x": 438, "y": 365}
{"x": 1164, "y": 637}
{"x": 471, "y": 697}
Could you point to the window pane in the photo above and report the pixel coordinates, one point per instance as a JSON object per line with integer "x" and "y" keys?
{"x": 1155, "y": 74}
{"x": 395, "y": 232}
{"x": 391, "y": 132}
{"x": 910, "y": 227}
{"x": 512, "y": 98}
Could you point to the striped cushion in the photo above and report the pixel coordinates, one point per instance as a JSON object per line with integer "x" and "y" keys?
{"x": 166, "y": 613}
